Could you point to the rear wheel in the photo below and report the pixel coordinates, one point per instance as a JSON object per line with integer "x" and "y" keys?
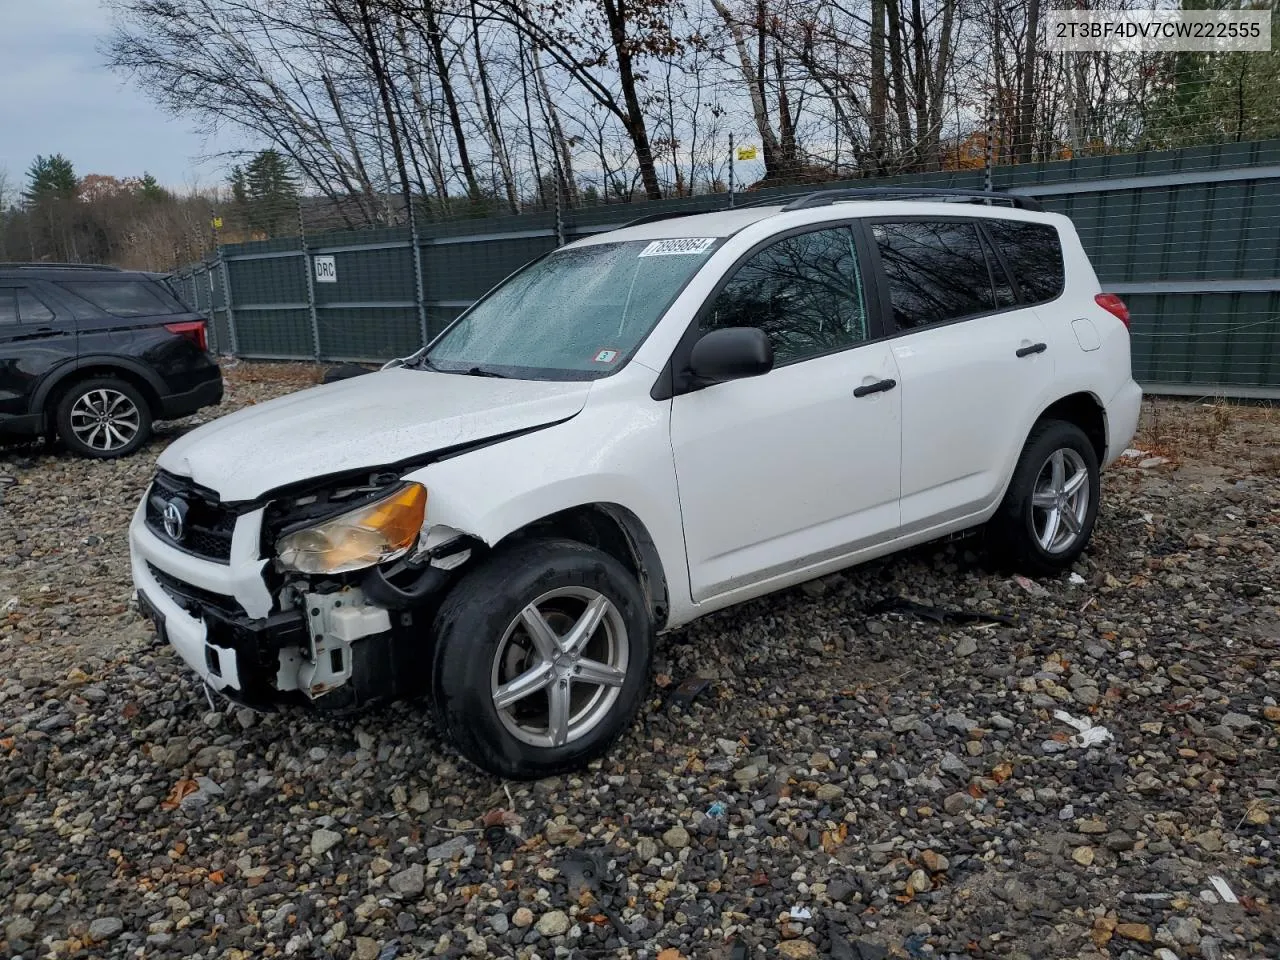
{"x": 541, "y": 660}
{"x": 1050, "y": 508}
{"x": 103, "y": 418}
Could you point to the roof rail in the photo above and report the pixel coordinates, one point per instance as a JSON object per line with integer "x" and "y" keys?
{"x": 824, "y": 197}
{"x": 31, "y": 265}
{"x": 655, "y": 217}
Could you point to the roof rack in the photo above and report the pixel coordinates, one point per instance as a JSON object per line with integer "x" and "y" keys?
{"x": 655, "y": 217}
{"x": 30, "y": 265}
{"x": 824, "y": 197}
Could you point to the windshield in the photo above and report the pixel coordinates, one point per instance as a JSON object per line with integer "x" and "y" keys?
{"x": 578, "y": 314}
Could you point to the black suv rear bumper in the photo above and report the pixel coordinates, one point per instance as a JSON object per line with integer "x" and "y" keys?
{"x": 177, "y": 405}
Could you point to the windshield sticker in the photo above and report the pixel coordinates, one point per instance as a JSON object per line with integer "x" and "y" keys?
{"x": 684, "y": 246}
{"x": 606, "y": 356}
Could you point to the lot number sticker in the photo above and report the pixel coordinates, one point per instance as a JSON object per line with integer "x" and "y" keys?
{"x": 681, "y": 247}
{"x": 606, "y": 356}
{"x": 326, "y": 270}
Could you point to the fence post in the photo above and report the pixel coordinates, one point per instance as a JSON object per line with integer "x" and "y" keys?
{"x": 419, "y": 296}
{"x": 213, "y": 304}
{"x": 226, "y": 293}
{"x": 311, "y": 283}
{"x": 989, "y": 159}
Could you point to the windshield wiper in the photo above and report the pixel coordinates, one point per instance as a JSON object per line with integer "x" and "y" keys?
{"x": 481, "y": 372}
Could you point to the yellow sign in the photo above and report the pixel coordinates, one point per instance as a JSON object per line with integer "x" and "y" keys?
{"x": 217, "y": 223}
{"x": 746, "y": 153}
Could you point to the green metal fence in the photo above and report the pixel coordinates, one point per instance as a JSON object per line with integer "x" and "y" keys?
{"x": 1190, "y": 238}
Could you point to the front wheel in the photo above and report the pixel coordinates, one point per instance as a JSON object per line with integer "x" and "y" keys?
{"x": 1049, "y": 510}
{"x": 541, "y": 659}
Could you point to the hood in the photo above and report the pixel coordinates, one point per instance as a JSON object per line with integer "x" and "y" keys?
{"x": 367, "y": 421}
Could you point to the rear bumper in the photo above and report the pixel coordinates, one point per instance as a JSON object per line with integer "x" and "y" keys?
{"x": 184, "y": 404}
{"x": 1123, "y": 410}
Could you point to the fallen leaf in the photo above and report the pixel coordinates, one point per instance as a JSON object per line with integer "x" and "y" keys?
{"x": 671, "y": 953}
{"x": 129, "y": 711}
{"x": 1002, "y": 772}
{"x": 662, "y": 680}
{"x": 217, "y": 877}
{"x": 182, "y": 788}
{"x": 759, "y": 879}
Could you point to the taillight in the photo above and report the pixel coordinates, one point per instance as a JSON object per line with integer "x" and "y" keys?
{"x": 193, "y": 330}
{"x": 1114, "y": 306}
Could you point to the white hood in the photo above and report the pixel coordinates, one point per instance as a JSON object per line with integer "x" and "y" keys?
{"x": 366, "y": 421}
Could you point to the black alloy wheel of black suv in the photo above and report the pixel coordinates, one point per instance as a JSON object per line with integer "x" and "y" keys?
{"x": 93, "y": 355}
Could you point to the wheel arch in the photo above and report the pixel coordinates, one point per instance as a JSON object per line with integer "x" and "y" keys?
{"x": 136, "y": 375}
{"x": 1087, "y": 412}
{"x": 615, "y": 530}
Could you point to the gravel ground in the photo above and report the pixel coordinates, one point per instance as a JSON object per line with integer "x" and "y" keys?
{"x": 850, "y": 784}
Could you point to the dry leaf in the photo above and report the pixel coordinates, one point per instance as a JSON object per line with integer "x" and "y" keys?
{"x": 216, "y": 877}
{"x": 671, "y": 953}
{"x": 662, "y": 680}
{"x": 129, "y": 711}
{"x": 182, "y": 788}
{"x": 1002, "y": 772}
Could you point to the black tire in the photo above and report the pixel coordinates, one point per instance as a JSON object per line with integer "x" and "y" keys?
{"x": 470, "y": 628}
{"x": 1017, "y": 530}
{"x": 104, "y": 444}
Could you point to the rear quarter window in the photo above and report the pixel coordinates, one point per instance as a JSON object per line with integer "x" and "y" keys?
{"x": 1033, "y": 252}
{"x": 125, "y": 298}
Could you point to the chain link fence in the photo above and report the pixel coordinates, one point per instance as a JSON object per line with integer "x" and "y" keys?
{"x": 1190, "y": 238}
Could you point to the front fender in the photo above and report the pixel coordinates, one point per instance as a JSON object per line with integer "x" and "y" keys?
{"x": 612, "y": 454}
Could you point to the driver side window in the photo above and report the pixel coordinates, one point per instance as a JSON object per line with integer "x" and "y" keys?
{"x": 804, "y": 291}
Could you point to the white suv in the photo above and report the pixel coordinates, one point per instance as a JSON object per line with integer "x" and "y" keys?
{"x": 635, "y": 430}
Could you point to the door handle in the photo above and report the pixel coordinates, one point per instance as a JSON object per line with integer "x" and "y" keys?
{"x": 871, "y": 388}
{"x": 1034, "y": 348}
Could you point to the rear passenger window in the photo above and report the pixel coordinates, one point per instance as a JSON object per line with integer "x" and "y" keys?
{"x": 1034, "y": 254}
{"x": 937, "y": 271}
{"x": 31, "y": 309}
{"x": 125, "y": 298}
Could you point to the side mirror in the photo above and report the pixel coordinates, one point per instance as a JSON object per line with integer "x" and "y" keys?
{"x": 731, "y": 353}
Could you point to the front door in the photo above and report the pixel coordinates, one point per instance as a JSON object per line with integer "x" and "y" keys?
{"x": 34, "y": 339}
{"x": 784, "y": 471}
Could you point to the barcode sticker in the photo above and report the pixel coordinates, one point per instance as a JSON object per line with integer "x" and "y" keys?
{"x": 680, "y": 247}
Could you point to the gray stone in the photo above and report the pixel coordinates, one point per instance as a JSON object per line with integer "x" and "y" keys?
{"x": 955, "y": 766}
{"x": 447, "y": 850}
{"x": 677, "y": 838}
{"x": 966, "y": 647}
{"x": 828, "y": 792}
{"x": 646, "y": 849}
{"x": 1184, "y": 930}
{"x": 322, "y": 841}
{"x": 19, "y": 929}
{"x": 499, "y": 924}
{"x": 958, "y": 722}
{"x": 554, "y": 923}
{"x": 957, "y": 803}
{"x": 104, "y": 928}
{"x": 408, "y": 882}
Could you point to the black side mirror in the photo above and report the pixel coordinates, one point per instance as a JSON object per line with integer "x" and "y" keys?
{"x": 731, "y": 353}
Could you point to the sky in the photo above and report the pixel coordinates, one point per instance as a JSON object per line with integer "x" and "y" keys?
{"x": 56, "y": 96}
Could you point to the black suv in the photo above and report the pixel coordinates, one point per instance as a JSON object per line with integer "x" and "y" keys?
{"x": 94, "y": 354}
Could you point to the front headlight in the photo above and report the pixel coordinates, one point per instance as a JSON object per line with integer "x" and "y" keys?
{"x": 374, "y": 533}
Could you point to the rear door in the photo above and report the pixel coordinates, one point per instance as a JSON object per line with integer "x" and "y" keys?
{"x": 973, "y": 358}
{"x": 113, "y": 308}
{"x": 36, "y": 337}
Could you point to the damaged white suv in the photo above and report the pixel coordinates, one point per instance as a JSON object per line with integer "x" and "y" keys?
{"x": 635, "y": 430}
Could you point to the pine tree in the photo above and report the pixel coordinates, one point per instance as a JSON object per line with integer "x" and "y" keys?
{"x": 270, "y": 190}
{"x": 50, "y": 178}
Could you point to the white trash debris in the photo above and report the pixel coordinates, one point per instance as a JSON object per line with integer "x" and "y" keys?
{"x": 9, "y": 605}
{"x": 1076, "y": 579}
{"x": 1224, "y": 891}
{"x": 1088, "y": 734}
{"x": 801, "y": 913}
{"x": 1133, "y": 454}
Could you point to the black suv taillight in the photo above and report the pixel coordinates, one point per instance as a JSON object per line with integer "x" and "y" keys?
{"x": 193, "y": 330}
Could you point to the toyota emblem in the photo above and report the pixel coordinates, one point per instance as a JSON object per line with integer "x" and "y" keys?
{"x": 174, "y": 516}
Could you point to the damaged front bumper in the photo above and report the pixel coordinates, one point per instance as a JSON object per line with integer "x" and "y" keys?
{"x": 338, "y": 650}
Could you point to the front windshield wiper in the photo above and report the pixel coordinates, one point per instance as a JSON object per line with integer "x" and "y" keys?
{"x": 481, "y": 372}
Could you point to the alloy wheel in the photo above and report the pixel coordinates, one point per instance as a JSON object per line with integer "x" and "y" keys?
{"x": 1060, "y": 501}
{"x": 104, "y": 419}
{"x": 560, "y": 666}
